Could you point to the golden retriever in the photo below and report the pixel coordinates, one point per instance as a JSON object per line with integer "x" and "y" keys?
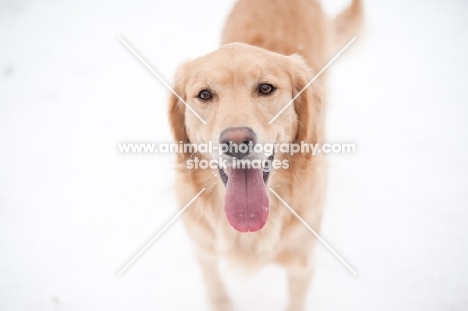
{"x": 270, "y": 50}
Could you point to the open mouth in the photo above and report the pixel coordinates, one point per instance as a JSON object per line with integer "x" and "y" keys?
{"x": 246, "y": 203}
{"x": 266, "y": 174}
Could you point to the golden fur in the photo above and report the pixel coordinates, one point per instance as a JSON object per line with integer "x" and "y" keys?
{"x": 283, "y": 42}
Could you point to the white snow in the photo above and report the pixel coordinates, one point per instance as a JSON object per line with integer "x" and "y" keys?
{"x": 73, "y": 210}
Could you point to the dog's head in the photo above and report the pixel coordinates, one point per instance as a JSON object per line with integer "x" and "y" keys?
{"x": 237, "y": 90}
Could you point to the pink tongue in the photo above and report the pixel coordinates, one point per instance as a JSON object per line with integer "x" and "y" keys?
{"x": 246, "y": 202}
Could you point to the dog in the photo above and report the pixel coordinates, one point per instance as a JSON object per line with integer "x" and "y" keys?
{"x": 270, "y": 50}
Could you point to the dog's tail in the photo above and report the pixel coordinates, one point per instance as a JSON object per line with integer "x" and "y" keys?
{"x": 348, "y": 24}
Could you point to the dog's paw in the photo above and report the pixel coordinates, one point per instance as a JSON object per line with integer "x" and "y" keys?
{"x": 295, "y": 308}
{"x": 222, "y": 303}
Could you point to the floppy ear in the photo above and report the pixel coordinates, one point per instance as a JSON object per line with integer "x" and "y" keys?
{"x": 310, "y": 105}
{"x": 177, "y": 108}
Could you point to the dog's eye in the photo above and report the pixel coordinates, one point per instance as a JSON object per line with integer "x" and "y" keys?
{"x": 266, "y": 88}
{"x": 205, "y": 95}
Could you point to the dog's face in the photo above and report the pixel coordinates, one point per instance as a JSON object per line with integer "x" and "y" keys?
{"x": 237, "y": 90}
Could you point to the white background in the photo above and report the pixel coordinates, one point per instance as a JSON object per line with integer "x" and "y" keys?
{"x": 73, "y": 210}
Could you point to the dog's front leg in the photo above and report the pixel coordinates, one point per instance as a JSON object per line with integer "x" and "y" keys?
{"x": 215, "y": 289}
{"x": 299, "y": 281}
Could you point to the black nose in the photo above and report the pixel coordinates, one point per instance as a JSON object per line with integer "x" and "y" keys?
{"x": 237, "y": 141}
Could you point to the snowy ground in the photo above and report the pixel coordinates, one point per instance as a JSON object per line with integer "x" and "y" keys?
{"x": 73, "y": 210}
